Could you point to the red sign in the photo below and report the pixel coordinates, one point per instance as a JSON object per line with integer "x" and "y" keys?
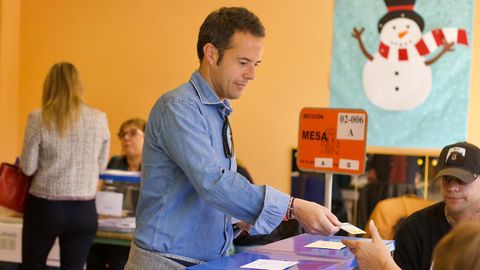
{"x": 332, "y": 140}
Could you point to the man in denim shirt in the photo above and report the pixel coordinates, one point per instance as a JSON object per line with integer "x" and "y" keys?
{"x": 190, "y": 188}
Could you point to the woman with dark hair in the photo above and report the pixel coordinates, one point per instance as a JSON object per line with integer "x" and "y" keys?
{"x": 130, "y": 134}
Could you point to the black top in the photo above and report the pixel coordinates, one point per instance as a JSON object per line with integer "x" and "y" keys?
{"x": 418, "y": 235}
{"x": 118, "y": 163}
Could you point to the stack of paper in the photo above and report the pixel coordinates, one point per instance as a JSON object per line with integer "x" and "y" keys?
{"x": 117, "y": 224}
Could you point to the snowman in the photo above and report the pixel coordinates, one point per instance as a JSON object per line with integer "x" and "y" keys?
{"x": 398, "y": 77}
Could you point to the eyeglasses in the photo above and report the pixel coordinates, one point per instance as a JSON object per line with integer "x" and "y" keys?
{"x": 227, "y": 138}
{"x": 131, "y": 133}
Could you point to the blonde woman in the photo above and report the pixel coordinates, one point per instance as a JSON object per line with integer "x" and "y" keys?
{"x": 65, "y": 147}
{"x": 458, "y": 250}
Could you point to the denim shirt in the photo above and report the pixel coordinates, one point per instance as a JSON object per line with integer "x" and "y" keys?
{"x": 189, "y": 189}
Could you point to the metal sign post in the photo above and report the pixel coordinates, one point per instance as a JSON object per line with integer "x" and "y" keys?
{"x": 328, "y": 190}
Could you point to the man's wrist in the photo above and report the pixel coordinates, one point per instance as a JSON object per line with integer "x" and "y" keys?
{"x": 290, "y": 210}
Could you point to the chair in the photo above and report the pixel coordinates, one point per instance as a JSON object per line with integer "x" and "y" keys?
{"x": 388, "y": 213}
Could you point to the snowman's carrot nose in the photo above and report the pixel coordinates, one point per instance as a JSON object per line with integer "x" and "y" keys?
{"x": 402, "y": 34}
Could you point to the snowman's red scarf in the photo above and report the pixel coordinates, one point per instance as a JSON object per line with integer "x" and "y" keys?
{"x": 429, "y": 43}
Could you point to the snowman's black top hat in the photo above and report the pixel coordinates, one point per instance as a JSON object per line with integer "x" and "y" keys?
{"x": 400, "y": 9}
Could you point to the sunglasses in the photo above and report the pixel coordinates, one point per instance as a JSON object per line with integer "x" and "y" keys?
{"x": 227, "y": 138}
{"x": 131, "y": 133}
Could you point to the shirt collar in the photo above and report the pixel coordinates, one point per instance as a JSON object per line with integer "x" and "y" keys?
{"x": 207, "y": 95}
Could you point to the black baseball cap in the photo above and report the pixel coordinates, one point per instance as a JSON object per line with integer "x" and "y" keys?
{"x": 461, "y": 160}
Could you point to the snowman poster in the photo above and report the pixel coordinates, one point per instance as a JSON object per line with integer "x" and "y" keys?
{"x": 407, "y": 63}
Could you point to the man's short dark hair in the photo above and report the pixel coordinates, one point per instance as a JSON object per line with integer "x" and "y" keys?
{"x": 220, "y": 25}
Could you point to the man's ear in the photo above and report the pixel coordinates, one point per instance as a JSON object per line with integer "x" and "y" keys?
{"x": 210, "y": 53}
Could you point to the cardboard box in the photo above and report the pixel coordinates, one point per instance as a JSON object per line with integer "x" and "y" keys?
{"x": 11, "y": 245}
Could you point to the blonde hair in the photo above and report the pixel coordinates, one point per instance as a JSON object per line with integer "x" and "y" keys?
{"x": 458, "y": 249}
{"x": 62, "y": 97}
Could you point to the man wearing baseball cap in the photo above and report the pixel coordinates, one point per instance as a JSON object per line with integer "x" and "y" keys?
{"x": 417, "y": 235}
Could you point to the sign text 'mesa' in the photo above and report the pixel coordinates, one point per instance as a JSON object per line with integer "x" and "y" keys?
{"x": 314, "y": 135}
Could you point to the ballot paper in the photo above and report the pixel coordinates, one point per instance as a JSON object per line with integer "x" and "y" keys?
{"x": 115, "y": 224}
{"x": 121, "y": 173}
{"x": 351, "y": 229}
{"x": 269, "y": 264}
{"x": 326, "y": 245}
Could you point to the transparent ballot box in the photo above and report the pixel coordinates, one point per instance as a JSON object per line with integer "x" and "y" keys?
{"x": 118, "y": 192}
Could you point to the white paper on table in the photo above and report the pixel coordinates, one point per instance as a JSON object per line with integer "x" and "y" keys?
{"x": 109, "y": 203}
{"x": 269, "y": 264}
{"x": 326, "y": 245}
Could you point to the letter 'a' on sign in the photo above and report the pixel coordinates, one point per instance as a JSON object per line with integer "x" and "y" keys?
{"x": 332, "y": 140}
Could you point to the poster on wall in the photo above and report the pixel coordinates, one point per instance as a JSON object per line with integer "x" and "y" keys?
{"x": 407, "y": 63}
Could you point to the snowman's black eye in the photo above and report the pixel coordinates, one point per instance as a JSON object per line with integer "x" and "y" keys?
{"x": 394, "y": 27}
{"x": 408, "y": 26}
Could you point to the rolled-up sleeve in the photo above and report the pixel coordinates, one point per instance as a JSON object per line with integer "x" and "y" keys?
{"x": 275, "y": 206}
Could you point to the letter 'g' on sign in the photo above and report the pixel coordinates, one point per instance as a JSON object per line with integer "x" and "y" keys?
{"x": 332, "y": 140}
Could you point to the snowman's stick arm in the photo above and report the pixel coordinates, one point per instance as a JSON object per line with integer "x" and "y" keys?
{"x": 447, "y": 47}
{"x": 357, "y": 34}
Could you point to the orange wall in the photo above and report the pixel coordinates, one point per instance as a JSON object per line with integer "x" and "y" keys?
{"x": 9, "y": 79}
{"x": 130, "y": 52}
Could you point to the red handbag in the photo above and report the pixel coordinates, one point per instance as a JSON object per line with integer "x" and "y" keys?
{"x": 14, "y": 185}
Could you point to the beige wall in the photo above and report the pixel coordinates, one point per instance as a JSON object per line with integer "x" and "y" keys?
{"x": 130, "y": 52}
{"x": 474, "y": 106}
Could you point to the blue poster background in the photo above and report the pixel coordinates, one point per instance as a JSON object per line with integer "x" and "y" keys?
{"x": 442, "y": 118}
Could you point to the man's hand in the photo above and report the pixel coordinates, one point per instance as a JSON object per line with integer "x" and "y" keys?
{"x": 314, "y": 218}
{"x": 243, "y": 225}
{"x": 372, "y": 255}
